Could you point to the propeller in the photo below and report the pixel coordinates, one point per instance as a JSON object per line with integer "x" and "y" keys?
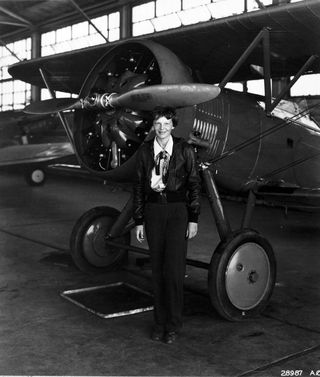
{"x": 174, "y": 95}
{"x": 111, "y": 116}
{"x": 145, "y": 98}
{"x": 53, "y": 105}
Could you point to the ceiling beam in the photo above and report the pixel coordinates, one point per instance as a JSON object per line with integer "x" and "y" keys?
{"x": 11, "y": 51}
{"x": 65, "y": 19}
{"x": 8, "y": 21}
{"x": 88, "y": 19}
{"x": 15, "y": 16}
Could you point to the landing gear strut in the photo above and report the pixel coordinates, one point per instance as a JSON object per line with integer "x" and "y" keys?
{"x": 242, "y": 271}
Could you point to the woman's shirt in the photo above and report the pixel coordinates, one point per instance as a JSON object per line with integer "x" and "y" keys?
{"x": 161, "y": 160}
{"x": 182, "y": 181}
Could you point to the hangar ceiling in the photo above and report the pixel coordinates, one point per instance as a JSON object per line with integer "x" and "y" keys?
{"x": 19, "y": 18}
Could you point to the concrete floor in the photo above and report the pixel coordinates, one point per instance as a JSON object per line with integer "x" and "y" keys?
{"x": 43, "y": 334}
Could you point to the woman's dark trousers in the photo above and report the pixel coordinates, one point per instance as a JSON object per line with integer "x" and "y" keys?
{"x": 166, "y": 226}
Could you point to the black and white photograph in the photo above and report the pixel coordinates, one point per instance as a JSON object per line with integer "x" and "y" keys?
{"x": 160, "y": 188}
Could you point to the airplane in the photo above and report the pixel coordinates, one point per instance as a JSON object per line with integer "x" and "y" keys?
{"x": 245, "y": 143}
{"x": 29, "y": 143}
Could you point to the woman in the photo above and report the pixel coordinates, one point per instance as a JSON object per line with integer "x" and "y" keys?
{"x": 167, "y": 202}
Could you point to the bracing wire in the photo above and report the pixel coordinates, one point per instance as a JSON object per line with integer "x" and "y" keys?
{"x": 263, "y": 134}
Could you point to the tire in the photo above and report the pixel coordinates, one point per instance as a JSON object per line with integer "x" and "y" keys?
{"x": 87, "y": 242}
{"x": 35, "y": 177}
{"x": 242, "y": 275}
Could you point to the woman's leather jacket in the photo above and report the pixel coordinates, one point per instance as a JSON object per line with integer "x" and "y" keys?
{"x": 183, "y": 182}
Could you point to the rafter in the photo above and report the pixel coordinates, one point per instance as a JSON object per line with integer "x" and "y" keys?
{"x": 24, "y": 21}
{"x": 88, "y": 19}
{"x": 11, "y": 51}
{"x": 7, "y": 21}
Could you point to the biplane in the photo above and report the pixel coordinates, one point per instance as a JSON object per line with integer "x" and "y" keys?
{"x": 249, "y": 144}
{"x": 29, "y": 143}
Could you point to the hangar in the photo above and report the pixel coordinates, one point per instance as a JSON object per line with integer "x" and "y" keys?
{"x": 100, "y": 68}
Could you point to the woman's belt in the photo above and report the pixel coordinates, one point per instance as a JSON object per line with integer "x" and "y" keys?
{"x": 164, "y": 197}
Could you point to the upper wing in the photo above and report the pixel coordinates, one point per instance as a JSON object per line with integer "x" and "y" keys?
{"x": 212, "y": 48}
{"x": 209, "y": 48}
{"x": 65, "y": 72}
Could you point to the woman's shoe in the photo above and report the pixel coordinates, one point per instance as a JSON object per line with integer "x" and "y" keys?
{"x": 170, "y": 337}
{"x": 157, "y": 335}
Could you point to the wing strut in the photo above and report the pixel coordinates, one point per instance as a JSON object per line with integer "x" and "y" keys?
{"x": 303, "y": 69}
{"x": 243, "y": 57}
{"x": 267, "y": 70}
{"x": 264, "y": 36}
{"x": 60, "y": 113}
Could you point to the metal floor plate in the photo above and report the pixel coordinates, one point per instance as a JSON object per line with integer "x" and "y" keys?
{"x": 112, "y": 300}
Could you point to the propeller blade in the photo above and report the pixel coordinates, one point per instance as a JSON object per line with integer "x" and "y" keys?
{"x": 53, "y": 105}
{"x": 174, "y": 95}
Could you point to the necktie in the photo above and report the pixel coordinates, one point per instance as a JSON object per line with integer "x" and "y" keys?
{"x": 162, "y": 164}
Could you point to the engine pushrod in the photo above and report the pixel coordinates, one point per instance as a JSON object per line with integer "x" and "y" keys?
{"x": 191, "y": 262}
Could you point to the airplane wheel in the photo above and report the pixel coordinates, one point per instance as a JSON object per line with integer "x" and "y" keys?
{"x": 242, "y": 275}
{"x": 87, "y": 243}
{"x": 35, "y": 177}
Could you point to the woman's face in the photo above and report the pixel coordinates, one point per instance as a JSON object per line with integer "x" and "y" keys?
{"x": 163, "y": 127}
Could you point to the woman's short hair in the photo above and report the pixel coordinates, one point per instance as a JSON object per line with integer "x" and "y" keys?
{"x": 168, "y": 112}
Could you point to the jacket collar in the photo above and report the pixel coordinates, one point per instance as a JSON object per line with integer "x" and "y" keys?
{"x": 150, "y": 142}
{"x": 168, "y": 148}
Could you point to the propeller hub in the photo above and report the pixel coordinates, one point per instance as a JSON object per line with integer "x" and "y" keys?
{"x": 99, "y": 101}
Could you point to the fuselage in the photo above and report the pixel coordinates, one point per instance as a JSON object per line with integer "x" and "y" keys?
{"x": 246, "y": 144}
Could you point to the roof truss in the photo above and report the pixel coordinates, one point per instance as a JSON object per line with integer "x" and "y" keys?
{"x": 18, "y": 20}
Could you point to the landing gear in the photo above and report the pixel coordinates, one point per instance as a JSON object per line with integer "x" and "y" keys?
{"x": 35, "y": 177}
{"x": 89, "y": 250}
{"x": 242, "y": 272}
{"x": 241, "y": 275}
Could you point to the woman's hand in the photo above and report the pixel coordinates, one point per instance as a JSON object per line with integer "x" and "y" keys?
{"x": 139, "y": 233}
{"x": 192, "y": 230}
